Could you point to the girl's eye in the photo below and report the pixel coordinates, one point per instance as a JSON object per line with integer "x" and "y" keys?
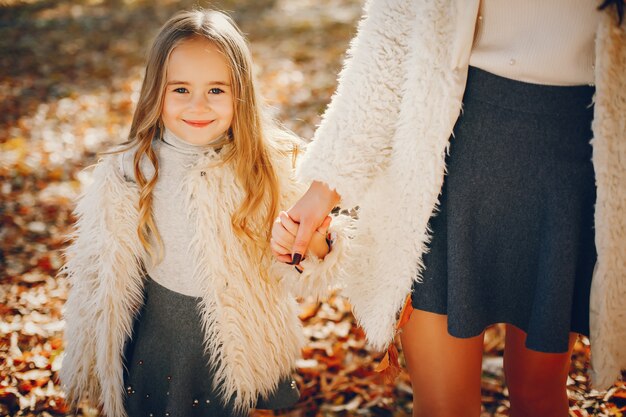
{"x": 181, "y": 90}
{"x": 216, "y": 90}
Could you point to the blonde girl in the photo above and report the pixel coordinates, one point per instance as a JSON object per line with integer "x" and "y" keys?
{"x": 176, "y": 307}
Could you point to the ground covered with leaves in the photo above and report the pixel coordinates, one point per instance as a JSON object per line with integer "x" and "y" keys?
{"x": 70, "y": 72}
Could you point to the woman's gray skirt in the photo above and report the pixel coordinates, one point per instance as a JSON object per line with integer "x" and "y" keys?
{"x": 167, "y": 373}
{"x": 513, "y": 239}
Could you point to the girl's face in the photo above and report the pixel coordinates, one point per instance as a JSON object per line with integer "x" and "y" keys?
{"x": 198, "y": 103}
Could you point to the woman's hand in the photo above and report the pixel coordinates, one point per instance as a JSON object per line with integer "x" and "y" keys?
{"x": 284, "y": 233}
{"x": 309, "y": 213}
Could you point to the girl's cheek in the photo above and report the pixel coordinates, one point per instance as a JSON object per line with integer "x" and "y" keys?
{"x": 174, "y": 100}
{"x": 220, "y": 99}
{"x": 224, "y": 104}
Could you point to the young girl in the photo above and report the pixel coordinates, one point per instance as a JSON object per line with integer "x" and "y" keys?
{"x": 530, "y": 207}
{"x": 176, "y": 307}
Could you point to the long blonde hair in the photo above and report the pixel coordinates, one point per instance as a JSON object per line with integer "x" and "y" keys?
{"x": 253, "y": 136}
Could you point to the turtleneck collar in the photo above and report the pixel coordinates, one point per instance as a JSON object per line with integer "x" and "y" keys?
{"x": 185, "y": 147}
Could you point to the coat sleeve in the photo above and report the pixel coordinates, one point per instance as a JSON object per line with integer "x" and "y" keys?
{"x": 353, "y": 143}
{"x": 319, "y": 275}
{"x": 607, "y": 316}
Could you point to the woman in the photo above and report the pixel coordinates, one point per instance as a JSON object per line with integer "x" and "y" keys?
{"x": 508, "y": 234}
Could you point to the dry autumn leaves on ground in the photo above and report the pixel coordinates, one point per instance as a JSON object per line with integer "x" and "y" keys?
{"x": 70, "y": 72}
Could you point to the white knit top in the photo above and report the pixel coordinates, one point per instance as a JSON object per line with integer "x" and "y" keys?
{"x": 175, "y": 157}
{"x": 537, "y": 41}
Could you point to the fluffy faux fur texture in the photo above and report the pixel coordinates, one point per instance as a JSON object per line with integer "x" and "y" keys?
{"x": 608, "y": 290}
{"x": 103, "y": 266}
{"x": 382, "y": 146}
{"x": 251, "y": 329}
{"x": 397, "y": 83}
{"x": 251, "y": 326}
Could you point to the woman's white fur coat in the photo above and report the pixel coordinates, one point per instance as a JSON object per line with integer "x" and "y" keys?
{"x": 382, "y": 144}
{"x": 251, "y": 326}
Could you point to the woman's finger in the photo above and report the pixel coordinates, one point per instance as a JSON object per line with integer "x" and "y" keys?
{"x": 323, "y": 229}
{"x": 309, "y": 212}
{"x": 282, "y": 258}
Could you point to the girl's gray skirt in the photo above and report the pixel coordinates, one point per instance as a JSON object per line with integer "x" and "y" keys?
{"x": 513, "y": 239}
{"x": 167, "y": 373}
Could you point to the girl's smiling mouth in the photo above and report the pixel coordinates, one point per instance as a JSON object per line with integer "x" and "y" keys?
{"x": 198, "y": 123}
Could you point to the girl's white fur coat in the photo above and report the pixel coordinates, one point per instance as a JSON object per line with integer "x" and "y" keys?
{"x": 251, "y": 326}
{"x": 382, "y": 145}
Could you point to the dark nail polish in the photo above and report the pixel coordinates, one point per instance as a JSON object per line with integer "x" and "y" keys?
{"x": 295, "y": 260}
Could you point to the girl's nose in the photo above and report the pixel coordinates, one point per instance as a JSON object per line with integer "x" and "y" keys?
{"x": 200, "y": 102}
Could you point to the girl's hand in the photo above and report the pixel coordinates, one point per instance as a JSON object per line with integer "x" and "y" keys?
{"x": 309, "y": 213}
{"x": 282, "y": 238}
{"x": 284, "y": 233}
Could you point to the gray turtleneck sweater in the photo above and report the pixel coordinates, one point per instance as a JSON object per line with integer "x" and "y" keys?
{"x": 175, "y": 157}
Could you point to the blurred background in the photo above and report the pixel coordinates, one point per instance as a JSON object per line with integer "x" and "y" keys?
{"x": 70, "y": 73}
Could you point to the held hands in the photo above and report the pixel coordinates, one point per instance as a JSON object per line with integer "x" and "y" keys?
{"x": 284, "y": 233}
{"x": 309, "y": 214}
